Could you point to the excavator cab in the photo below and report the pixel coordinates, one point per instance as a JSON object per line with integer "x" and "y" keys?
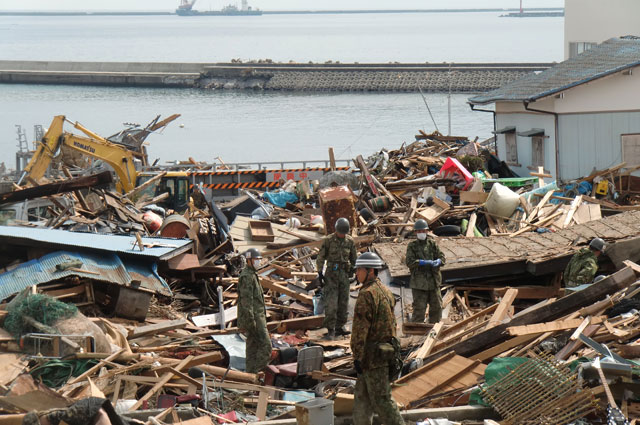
{"x": 175, "y": 184}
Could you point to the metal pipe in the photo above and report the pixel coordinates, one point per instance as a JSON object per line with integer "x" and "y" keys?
{"x": 495, "y": 136}
{"x": 556, "y": 134}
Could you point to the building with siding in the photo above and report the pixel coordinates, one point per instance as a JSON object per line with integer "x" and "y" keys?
{"x": 589, "y": 22}
{"x": 580, "y": 115}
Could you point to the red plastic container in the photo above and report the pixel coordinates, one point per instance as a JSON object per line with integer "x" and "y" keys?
{"x": 452, "y": 169}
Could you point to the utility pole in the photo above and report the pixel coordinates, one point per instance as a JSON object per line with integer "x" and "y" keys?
{"x": 449, "y": 102}
{"x": 520, "y": 6}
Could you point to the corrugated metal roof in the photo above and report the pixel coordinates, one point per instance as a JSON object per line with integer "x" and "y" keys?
{"x": 161, "y": 248}
{"x": 103, "y": 267}
{"x": 609, "y": 57}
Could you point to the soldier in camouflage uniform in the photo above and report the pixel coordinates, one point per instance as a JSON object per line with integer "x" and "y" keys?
{"x": 252, "y": 319}
{"x": 374, "y": 325}
{"x": 339, "y": 251}
{"x": 583, "y": 265}
{"x": 424, "y": 260}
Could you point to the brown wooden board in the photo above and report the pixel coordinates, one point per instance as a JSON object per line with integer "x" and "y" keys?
{"x": 444, "y": 374}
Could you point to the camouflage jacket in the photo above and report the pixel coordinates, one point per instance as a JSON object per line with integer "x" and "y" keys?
{"x": 581, "y": 269}
{"x": 339, "y": 253}
{"x": 426, "y": 278}
{"x": 251, "y": 310}
{"x": 373, "y": 322}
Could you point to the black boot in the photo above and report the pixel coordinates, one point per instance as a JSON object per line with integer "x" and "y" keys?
{"x": 342, "y": 331}
{"x": 330, "y": 336}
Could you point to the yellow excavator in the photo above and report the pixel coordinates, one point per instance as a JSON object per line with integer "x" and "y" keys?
{"x": 121, "y": 159}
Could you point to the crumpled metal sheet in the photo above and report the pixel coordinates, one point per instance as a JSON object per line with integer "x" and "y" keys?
{"x": 107, "y": 268}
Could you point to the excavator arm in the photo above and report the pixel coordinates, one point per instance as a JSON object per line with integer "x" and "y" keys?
{"x": 45, "y": 152}
{"x": 119, "y": 158}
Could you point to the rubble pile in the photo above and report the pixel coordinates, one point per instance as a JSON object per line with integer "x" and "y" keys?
{"x": 112, "y": 306}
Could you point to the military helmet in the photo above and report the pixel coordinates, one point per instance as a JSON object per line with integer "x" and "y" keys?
{"x": 252, "y": 253}
{"x": 421, "y": 225}
{"x": 597, "y": 244}
{"x": 369, "y": 260}
{"x": 342, "y": 226}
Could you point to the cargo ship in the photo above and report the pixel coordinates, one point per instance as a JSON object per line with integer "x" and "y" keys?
{"x": 186, "y": 9}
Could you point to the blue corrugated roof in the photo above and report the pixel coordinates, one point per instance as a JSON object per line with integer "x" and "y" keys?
{"x": 101, "y": 267}
{"x": 162, "y": 248}
{"x": 609, "y": 57}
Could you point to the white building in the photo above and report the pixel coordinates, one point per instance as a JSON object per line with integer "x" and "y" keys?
{"x": 580, "y": 115}
{"x": 590, "y": 22}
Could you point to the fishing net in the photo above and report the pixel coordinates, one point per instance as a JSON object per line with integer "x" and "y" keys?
{"x": 42, "y": 308}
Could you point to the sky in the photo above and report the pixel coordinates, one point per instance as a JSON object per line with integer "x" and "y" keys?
{"x": 270, "y": 4}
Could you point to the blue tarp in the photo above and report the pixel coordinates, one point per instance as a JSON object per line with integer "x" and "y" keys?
{"x": 280, "y": 198}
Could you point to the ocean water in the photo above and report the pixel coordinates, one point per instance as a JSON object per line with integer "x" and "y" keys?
{"x": 253, "y": 126}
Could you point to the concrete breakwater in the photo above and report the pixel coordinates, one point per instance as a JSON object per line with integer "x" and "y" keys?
{"x": 264, "y": 75}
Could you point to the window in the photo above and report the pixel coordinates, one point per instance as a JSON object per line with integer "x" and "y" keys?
{"x": 537, "y": 151}
{"x": 38, "y": 213}
{"x": 183, "y": 191}
{"x": 631, "y": 149}
{"x": 512, "y": 148}
{"x": 576, "y": 48}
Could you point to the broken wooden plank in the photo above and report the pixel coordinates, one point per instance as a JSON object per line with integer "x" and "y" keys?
{"x": 559, "y": 325}
{"x": 95, "y": 368}
{"x": 276, "y": 287}
{"x": 572, "y": 210}
{"x": 472, "y": 225}
{"x": 157, "y": 328}
{"x": 473, "y": 197}
{"x": 101, "y": 179}
{"x": 429, "y": 343}
{"x": 503, "y": 308}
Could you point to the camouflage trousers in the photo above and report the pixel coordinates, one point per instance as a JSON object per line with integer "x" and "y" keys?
{"x": 373, "y": 395}
{"x": 420, "y": 300}
{"x": 258, "y": 347}
{"x": 335, "y": 296}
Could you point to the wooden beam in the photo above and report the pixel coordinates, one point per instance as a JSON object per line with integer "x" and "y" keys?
{"x": 572, "y": 210}
{"x": 572, "y": 346}
{"x": 461, "y": 324}
{"x": 157, "y": 328}
{"x": 503, "y": 308}
{"x": 332, "y": 159}
{"x": 101, "y": 179}
{"x": 168, "y": 363}
{"x": 471, "y": 226}
{"x": 429, "y": 343}
{"x": 559, "y": 325}
{"x": 504, "y": 346}
{"x": 145, "y": 185}
{"x": 276, "y": 287}
{"x": 541, "y": 204}
{"x": 95, "y": 368}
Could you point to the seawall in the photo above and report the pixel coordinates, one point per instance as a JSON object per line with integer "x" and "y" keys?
{"x": 265, "y": 75}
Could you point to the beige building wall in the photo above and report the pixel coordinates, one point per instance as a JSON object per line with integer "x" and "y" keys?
{"x": 594, "y": 21}
{"x": 617, "y": 92}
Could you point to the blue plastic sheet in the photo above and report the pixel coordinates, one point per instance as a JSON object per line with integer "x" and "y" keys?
{"x": 280, "y": 198}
